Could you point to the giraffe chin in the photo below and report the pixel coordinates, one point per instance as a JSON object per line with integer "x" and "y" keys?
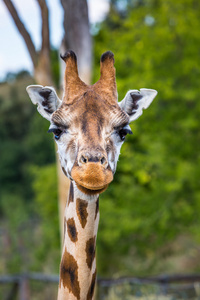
{"x": 92, "y": 178}
{"x": 89, "y": 191}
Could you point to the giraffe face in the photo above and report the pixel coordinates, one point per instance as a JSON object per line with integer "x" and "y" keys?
{"x": 89, "y": 134}
{"x": 89, "y": 125}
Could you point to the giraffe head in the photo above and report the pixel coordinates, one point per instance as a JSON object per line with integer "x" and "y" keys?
{"x": 89, "y": 125}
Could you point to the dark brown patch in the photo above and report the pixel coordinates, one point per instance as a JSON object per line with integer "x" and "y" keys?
{"x": 92, "y": 286}
{"x": 67, "y": 54}
{"x": 136, "y": 96}
{"x": 97, "y": 208}
{"x": 71, "y": 229}
{"x": 107, "y": 55}
{"x": 93, "y": 158}
{"x": 48, "y": 110}
{"x": 131, "y": 114}
{"x": 44, "y": 102}
{"x": 45, "y": 92}
{"x": 81, "y": 209}
{"x": 99, "y": 130}
{"x": 90, "y": 252}
{"x": 84, "y": 125}
{"x": 69, "y": 274}
{"x": 71, "y": 193}
{"x": 64, "y": 171}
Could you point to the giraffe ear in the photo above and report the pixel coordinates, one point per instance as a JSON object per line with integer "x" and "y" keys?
{"x": 46, "y": 99}
{"x": 135, "y": 101}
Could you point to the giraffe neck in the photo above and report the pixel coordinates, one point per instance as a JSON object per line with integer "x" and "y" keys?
{"x": 78, "y": 262}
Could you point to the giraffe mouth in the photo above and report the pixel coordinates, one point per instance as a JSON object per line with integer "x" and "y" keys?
{"x": 92, "y": 178}
{"x": 91, "y": 191}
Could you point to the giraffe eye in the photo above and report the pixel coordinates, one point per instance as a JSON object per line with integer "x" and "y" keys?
{"x": 124, "y": 131}
{"x": 56, "y": 131}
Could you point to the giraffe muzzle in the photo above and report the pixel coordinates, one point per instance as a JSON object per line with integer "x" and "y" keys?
{"x": 91, "y": 177}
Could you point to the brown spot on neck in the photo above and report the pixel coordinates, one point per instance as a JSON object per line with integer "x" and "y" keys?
{"x": 69, "y": 274}
{"x": 92, "y": 286}
{"x": 81, "y": 209}
{"x": 90, "y": 251}
{"x": 71, "y": 193}
{"x": 64, "y": 171}
{"x": 71, "y": 229}
{"x": 97, "y": 208}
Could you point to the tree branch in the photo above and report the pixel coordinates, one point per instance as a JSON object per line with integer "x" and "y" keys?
{"x": 22, "y": 30}
{"x": 45, "y": 26}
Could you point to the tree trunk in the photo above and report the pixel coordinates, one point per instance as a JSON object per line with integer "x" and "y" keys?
{"x": 77, "y": 38}
{"x": 77, "y": 35}
{"x": 42, "y": 72}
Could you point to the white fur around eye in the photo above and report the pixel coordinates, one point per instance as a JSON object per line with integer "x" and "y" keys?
{"x": 113, "y": 154}
{"x": 67, "y": 158}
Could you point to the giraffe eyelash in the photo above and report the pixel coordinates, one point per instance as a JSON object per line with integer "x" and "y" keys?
{"x": 123, "y": 131}
{"x": 57, "y": 132}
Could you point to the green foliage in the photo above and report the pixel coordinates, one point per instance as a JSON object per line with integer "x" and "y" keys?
{"x": 46, "y": 207}
{"x": 55, "y": 67}
{"x": 155, "y": 195}
{"x": 24, "y": 143}
{"x": 15, "y": 229}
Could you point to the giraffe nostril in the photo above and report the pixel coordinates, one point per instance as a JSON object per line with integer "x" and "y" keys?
{"x": 87, "y": 157}
{"x": 83, "y": 159}
{"x": 103, "y": 160}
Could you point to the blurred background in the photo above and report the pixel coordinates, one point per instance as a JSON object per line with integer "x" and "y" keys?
{"x": 150, "y": 214}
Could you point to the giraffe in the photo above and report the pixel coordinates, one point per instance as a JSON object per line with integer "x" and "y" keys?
{"x": 89, "y": 127}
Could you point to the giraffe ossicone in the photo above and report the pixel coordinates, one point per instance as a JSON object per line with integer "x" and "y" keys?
{"x": 89, "y": 127}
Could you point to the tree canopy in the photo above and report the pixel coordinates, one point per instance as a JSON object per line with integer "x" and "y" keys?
{"x": 155, "y": 195}
{"x": 150, "y": 214}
